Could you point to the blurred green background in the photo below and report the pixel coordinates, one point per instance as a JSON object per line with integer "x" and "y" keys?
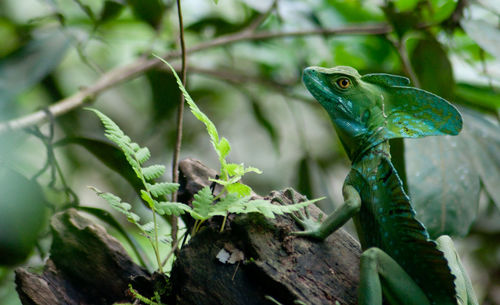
{"x": 251, "y": 89}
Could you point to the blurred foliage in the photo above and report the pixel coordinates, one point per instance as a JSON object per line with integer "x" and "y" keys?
{"x": 52, "y": 48}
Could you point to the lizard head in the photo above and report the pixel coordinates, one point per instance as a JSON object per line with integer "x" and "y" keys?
{"x": 367, "y": 110}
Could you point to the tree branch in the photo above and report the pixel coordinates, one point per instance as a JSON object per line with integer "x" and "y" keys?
{"x": 141, "y": 65}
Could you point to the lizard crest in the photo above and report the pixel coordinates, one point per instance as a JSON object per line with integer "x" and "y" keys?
{"x": 367, "y": 110}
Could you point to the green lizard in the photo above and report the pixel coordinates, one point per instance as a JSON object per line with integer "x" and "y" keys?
{"x": 399, "y": 260}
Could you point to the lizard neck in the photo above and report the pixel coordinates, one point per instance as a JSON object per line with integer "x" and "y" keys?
{"x": 370, "y": 158}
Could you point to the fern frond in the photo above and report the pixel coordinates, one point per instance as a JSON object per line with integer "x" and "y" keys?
{"x": 202, "y": 203}
{"x": 142, "y": 154}
{"x": 162, "y": 188}
{"x": 152, "y": 172}
{"x": 116, "y": 203}
{"x": 172, "y": 208}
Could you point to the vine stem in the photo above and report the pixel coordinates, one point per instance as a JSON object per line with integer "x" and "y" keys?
{"x": 139, "y": 66}
{"x": 180, "y": 118}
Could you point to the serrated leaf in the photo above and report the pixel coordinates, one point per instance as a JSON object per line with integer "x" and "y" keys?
{"x": 148, "y": 227}
{"x": 223, "y": 148}
{"x": 119, "y": 205}
{"x": 239, "y": 188}
{"x": 253, "y": 170}
{"x": 211, "y": 129}
{"x": 113, "y": 200}
{"x": 163, "y": 188}
{"x": 232, "y": 168}
{"x": 225, "y": 182}
{"x": 266, "y": 207}
{"x": 172, "y": 208}
{"x": 111, "y": 127}
{"x": 142, "y": 155}
{"x": 230, "y": 201}
{"x": 146, "y": 197}
{"x": 269, "y": 210}
{"x": 202, "y": 203}
{"x": 133, "y": 218}
{"x": 153, "y": 171}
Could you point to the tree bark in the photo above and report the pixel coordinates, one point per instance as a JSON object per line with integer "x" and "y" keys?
{"x": 254, "y": 261}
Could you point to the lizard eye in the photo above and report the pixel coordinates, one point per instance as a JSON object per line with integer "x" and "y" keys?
{"x": 343, "y": 83}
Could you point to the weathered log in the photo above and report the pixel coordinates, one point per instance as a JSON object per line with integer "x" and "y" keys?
{"x": 86, "y": 266}
{"x": 276, "y": 264}
{"x": 254, "y": 261}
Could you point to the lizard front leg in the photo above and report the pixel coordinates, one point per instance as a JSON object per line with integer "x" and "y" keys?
{"x": 314, "y": 229}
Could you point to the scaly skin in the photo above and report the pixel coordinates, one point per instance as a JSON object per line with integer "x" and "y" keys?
{"x": 399, "y": 261}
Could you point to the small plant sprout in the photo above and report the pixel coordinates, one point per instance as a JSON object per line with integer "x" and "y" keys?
{"x": 235, "y": 195}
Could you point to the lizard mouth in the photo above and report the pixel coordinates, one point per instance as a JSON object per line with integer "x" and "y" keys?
{"x": 317, "y": 86}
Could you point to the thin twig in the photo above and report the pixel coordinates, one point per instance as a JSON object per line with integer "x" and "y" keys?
{"x": 180, "y": 117}
{"x": 403, "y": 56}
{"x": 141, "y": 65}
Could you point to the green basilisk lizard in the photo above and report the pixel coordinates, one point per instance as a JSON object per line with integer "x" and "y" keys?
{"x": 399, "y": 261}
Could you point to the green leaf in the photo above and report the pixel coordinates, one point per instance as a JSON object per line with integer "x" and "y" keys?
{"x": 153, "y": 171}
{"x": 261, "y": 118}
{"x": 23, "y": 214}
{"x": 482, "y": 139}
{"x": 433, "y": 68}
{"x": 211, "y": 129}
{"x": 202, "y": 203}
{"x": 443, "y": 184}
{"x": 239, "y": 188}
{"x": 267, "y": 208}
{"x": 117, "y": 204}
{"x": 478, "y": 96}
{"x": 108, "y": 154}
{"x": 172, "y": 208}
{"x": 223, "y": 148}
{"x": 439, "y": 10}
{"x": 304, "y": 180}
{"x": 486, "y": 35}
{"x": 146, "y": 197}
{"x": 165, "y": 94}
{"x": 27, "y": 66}
{"x": 142, "y": 155}
{"x": 444, "y": 174}
{"x": 222, "y": 207}
{"x": 148, "y": 227}
{"x": 150, "y": 11}
{"x": 110, "y": 10}
{"x": 163, "y": 188}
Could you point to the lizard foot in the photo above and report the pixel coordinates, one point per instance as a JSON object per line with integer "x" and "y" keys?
{"x": 303, "y": 219}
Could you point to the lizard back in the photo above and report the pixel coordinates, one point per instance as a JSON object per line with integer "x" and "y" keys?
{"x": 387, "y": 220}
